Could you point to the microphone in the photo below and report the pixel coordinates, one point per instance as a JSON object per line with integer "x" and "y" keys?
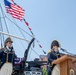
{"x": 62, "y": 49}
{"x": 67, "y": 52}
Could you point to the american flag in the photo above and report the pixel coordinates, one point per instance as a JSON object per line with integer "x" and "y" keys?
{"x": 18, "y": 60}
{"x": 15, "y": 10}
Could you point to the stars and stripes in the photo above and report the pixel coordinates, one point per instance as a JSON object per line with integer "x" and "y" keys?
{"x": 15, "y": 10}
{"x": 18, "y": 61}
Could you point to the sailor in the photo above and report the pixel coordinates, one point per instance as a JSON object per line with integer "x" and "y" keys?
{"x": 53, "y": 55}
{"x": 7, "y": 55}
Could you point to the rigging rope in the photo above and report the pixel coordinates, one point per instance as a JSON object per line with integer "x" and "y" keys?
{"x": 33, "y": 35}
{"x": 4, "y": 19}
{"x": 2, "y": 36}
{"x": 21, "y": 33}
{"x": 23, "y": 36}
{"x": 30, "y": 29}
{"x": 18, "y": 26}
{"x": 22, "y": 30}
{"x": 15, "y": 23}
{"x": 35, "y": 52}
{"x": 19, "y": 29}
{"x": 26, "y": 32}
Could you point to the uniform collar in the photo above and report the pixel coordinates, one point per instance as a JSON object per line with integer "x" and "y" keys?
{"x": 8, "y": 48}
{"x": 57, "y": 51}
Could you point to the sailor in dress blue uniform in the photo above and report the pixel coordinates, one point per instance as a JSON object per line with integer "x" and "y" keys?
{"x": 53, "y": 55}
{"x": 7, "y": 56}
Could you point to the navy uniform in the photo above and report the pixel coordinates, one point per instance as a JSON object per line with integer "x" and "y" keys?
{"x": 52, "y": 55}
{"x": 7, "y": 56}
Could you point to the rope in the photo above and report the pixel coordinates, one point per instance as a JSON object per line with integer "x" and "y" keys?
{"x": 21, "y": 33}
{"x": 15, "y": 23}
{"x": 30, "y": 29}
{"x": 35, "y": 52}
{"x": 19, "y": 27}
{"x": 4, "y": 19}
{"x": 2, "y": 36}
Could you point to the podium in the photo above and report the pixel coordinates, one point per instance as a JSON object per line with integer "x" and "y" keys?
{"x": 66, "y": 65}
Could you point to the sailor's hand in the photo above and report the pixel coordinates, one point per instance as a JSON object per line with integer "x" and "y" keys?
{"x": 53, "y": 62}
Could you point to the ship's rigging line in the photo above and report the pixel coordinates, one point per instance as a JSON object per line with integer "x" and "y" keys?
{"x": 21, "y": 28}
{"x": 4, "y": 16}
{"x": 1, "y": 35}
{"x": 27, "y": 42}
{"x": 20, "y": 31}
{"x": 4, "y": 19}
{"x": 10, "y": 35}
{"x": 33, "y": 50}
{"x": 15, "y": 23}
{"x": 18, "y": 26}
{"x": 20, "y": 40}
{"x": 1, "y": 29}
{"x": 26, "y": 33}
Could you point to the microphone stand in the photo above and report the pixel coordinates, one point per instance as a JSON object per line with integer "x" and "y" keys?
{"x": 67, "y": 52}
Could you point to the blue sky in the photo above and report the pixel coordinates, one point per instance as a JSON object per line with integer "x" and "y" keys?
{"x": 49, "y": 20}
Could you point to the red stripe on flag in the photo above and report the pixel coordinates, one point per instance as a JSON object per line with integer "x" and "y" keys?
{"x": 16, "y": 11}
{"x": 12, "y": 0}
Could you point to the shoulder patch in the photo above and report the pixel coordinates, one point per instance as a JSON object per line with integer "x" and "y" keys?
{"x": 49, "y": 51}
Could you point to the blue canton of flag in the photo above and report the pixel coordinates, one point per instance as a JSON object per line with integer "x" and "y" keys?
{"x": 18, "y": 61}
{"x": 15, "y": 10}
